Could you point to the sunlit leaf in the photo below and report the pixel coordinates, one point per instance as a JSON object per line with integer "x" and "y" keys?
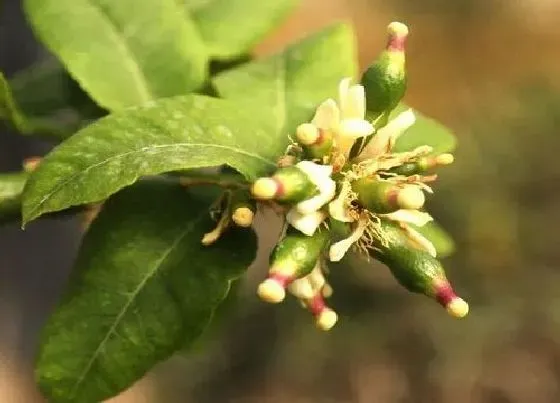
{"x": 124, "y": 52}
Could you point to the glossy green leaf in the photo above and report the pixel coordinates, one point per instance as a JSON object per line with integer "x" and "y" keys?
{"x": 143, "y": 284}
{"x": 124, "y": 52}
{"x": 444, "y": 244}
{"x": 11, "y": 188}
{"x": 288, "y": 86}
{"x": 426, "y": 131}
{"x": 231, "y": 28}
{"x": 168, "y": 135}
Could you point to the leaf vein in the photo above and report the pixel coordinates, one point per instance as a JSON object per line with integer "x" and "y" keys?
{"x": 126, "y": 307}
{"x": 158, "y": 148}
{"x": 130, "y": 59}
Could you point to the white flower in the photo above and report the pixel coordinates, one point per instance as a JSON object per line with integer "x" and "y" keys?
{"x": 353, "y": 125}
{"x": 327, "y": 115}
{"x": 320, "y": 175}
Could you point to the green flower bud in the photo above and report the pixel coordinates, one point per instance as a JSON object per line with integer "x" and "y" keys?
{"x": 417, "y": 270}
{"x": 288, "y": 184}
{"x": 316, "y": 142}
{"x": 381, "y": 196}
{"x": 423, "y": 164}
{"x": 294, "y": 257}
{"x": 385, "y": 80}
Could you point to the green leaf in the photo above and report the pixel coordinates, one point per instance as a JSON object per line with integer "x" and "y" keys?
{"x": 444, "y": 244}
{"x": 11, "y": 188}
{"x": 168, "y": 135}
{"x": 143, "y": 284}
{"x": 231, "y": 28}
{"x": 44, "y": 100}
{"x": 9, "y": 110}
{"x": 426, "y": 131}
{"x": 289, "y": 86}
{"x": 124, "y": 52}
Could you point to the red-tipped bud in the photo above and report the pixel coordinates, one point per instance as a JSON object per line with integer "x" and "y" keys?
{"x": 417, "y": 270}
{"x": 316, "y": 142}
{"x": 293, "y": 258}
{"x": 325, "y": 317}
{"x": 423, "y": 164}
{"x": 381, "y": 196}
{"x": 289, "y": 184}
{"x": 385, "y": 80}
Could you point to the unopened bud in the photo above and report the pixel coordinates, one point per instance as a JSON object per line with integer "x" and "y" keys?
{"x": 31, "y": 164}
{"x": 325, "y": 317}
{"x": 272, "y": 291}
{"x": 294, "y": 257}
{"x": 417, "y": 270}
{"x": 242, "y": 209}
{"x": 289, "y": 184}
{"x": 381, "y": 196}
{"x": 423, "y": 164}
{"x": 316, "y": 142}
{"x": 243, "y": 216}
{"x": 385, "y": 79}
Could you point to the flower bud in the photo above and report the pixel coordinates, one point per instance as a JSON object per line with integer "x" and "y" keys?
{"x": 417, "y": 270}
{"x": 294, "y": 257}
{"x": 288, "y": 184}
{"x": 242, "y": 209}
{"x": 325, "y": 317}
{"x": 423, "y": 164}
{"x": 385, "y": 80}
{"x": 316, "y": 142}
{"x": 30, "y": 164}
{"x": 381, "y": 196}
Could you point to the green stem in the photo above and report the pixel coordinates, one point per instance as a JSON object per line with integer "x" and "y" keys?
{"x": 12, "y": 184}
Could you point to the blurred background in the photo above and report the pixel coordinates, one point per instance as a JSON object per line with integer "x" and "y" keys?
{"x": 490, "y": 70}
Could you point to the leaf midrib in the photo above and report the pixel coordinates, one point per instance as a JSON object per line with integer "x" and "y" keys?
{"x": 153, "y": 150}
{"x": 128, "y": 304}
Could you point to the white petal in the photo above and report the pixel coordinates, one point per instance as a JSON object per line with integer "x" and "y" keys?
{"x": 355, "y": 103}
{"x": 327, "y": 190}
{"x": 339, "y": 249}
{"x": 421, "y": 241}
{"x": 327, "y": 115}
{"x": 388, "y": 135}
{"x": 320, "y": 176}
{"x": 316, "y": 172}
{"x": 343, "y": 88}
{"x": 337, "y": 208}
{"x": 301, "y": 288}
{"x": 306, "y": 223}
{"x": 355, "y": 128}
{"x": 415, "y": 217}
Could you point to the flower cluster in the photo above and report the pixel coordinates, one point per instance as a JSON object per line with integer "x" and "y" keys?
{"x": 342, "y": 187}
